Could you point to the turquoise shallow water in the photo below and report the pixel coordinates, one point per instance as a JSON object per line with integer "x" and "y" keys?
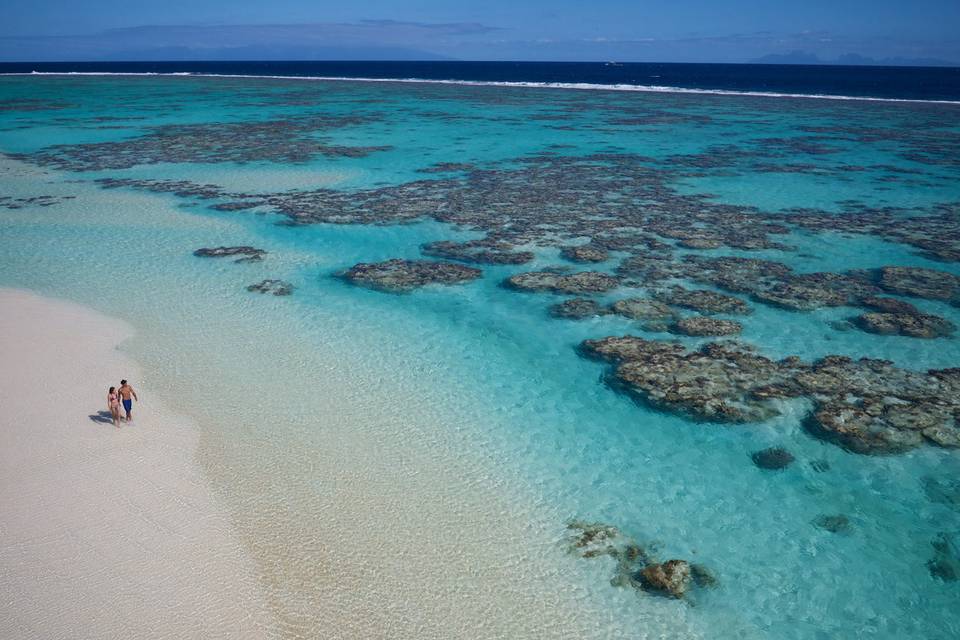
{"x": 509, "y": 374}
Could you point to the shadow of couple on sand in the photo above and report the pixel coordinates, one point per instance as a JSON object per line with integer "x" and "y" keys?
{"x": 101, "y": 417}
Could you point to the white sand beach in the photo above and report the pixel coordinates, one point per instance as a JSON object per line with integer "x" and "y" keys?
{"x": 104, "y": 532}
{"x": 116, "y": 533}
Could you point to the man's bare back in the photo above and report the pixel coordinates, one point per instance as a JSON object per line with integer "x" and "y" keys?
{"x": 126, "y": 393}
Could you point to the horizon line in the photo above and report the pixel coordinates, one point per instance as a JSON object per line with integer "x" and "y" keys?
{"x": 947, "y": 65}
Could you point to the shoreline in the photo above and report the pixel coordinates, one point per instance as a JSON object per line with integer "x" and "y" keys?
{"x": 106, "y": 532}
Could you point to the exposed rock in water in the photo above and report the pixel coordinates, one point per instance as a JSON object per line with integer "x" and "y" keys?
{"x": 703, "y": 326}
{"x": 577, "y": 309}
{"x": 582, "y": 282}
{"x": 247, "y": 254}
{"x": 774, "y": 458}
{"x": 671, "y": 577}
{"x": 920, "y": 283}
{"x": 642, "y": 309}
{"x": 585, "y": 253}
{"x": 477, "y": 251}
{"x": 833, "y": 523}
{"x": 398, "y": 275}
{"x": 703, "y": 301}
{"x": 276, "y": 287}
{"x": 914, "y": 325}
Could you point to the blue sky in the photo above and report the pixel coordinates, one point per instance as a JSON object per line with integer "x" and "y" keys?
{"x": 678, "y": 30}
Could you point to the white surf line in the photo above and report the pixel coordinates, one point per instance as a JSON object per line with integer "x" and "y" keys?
{"x": 493, "y": 83}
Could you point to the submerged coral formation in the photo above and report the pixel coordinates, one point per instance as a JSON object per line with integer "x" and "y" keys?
{"x": 915, "y": 325}
{"x": 477, "y": 251}
{"x": 635, "y": 567}
{"x": 643, "y": 309}
{"x": 245, "y": 253}
{"x": 276, "y": 287}
{"x": 702, "y": 301}
{"x": 866, "y": 405}
{"x": 585, "y": 253}
{"x": 703, "y": 326}
{"x": 577, "y": 309}
{"x": 838, "y": 523}
{"x": 657, "y": 242}
{"x": 670, "y": 244}
{"x": 288, "y": 139}
{"x": 8, "y": 202}
{"x": 664, "y": 244}
{"x": 671, "y": 577}
{"x": 774, "y": 458}
{"x": 945, "y": 563}
{"x": 398, "y": 275}
{"x": 582, "y": 282}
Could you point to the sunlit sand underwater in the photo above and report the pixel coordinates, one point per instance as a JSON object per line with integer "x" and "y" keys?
{"x": 409, "y": 463}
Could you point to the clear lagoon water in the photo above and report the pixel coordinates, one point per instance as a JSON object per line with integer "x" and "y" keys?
{"x": 299, "y": 397}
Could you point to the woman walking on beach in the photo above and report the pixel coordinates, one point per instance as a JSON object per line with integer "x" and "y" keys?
{"x": 113, "y": 403}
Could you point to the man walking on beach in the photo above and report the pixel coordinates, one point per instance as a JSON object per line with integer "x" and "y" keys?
{"x": 126, "y": 391}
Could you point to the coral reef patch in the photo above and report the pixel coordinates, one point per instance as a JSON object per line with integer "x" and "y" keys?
{"x": 243, "y": 253}
{"x": 276, "y": 287}
{"x": 866, "y": 405}
{"x": 399, "y": 276}
{"x": 635, "y": 567}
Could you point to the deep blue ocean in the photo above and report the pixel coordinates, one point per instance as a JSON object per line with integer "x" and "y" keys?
{"x": 905, "y": 83}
